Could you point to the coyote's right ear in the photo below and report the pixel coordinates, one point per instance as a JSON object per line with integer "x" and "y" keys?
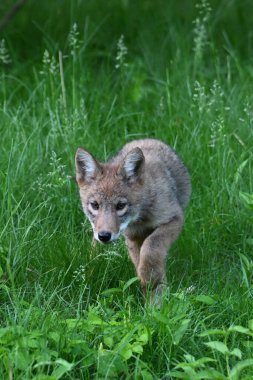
{"x": 86, "y": 166}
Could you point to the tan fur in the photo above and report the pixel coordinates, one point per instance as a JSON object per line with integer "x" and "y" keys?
{"x": 153, "y": 186}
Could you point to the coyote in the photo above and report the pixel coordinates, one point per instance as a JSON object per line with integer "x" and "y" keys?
{"x": 140, "y": 193}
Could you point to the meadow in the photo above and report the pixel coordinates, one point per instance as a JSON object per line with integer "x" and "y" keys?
{"x": 99, "y": 74}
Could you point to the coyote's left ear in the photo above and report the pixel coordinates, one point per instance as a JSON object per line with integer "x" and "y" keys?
{"x": 133, "y": 165}
{"x": 87, "y": 166}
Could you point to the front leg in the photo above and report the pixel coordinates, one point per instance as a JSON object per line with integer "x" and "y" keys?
{"x": 134, "y": 247}
{"x": 153, "y": 253}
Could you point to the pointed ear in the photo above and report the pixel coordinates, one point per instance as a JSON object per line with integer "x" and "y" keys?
{"x": 133, "y": 165}
{"x": 87, "y": 166}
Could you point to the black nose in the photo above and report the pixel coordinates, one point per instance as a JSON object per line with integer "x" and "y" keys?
{"x": 104, "y": 236}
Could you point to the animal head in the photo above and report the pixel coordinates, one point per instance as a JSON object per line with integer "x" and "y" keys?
{"x": 110, "y": 192}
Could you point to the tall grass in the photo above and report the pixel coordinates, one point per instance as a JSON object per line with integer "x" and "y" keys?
{"x": 98, "y": 75}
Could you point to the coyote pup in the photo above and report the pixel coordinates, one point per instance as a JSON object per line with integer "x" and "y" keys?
{"x": 140, "y": 193}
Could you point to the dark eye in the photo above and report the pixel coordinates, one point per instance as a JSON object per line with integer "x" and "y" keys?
{"x": 120, "y": 206}
{"x": 94, "y": 205}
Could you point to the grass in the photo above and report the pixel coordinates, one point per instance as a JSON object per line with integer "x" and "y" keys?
{"x": 184, "y": 75}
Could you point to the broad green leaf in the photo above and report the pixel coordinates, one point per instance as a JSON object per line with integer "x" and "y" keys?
{"x": 108, "y": 340}
{"x": 146, "y": 375}
{"x": 143, "y": 338}
{"x": 181, "y": 331}
{"x": 210, "y": 374}
{"x": 71, "y": 322}
{"x": 54, "y": 336}
{"x": 62, "y": 367}
{"x": 189, "y": 358}
{"x": 77, "y": 347}
{"x": 194, "y": 363}
{"x": 34, "y": 343}
{"x": 218, "y": 346}
{"x": 130, "y": 282}
{"x": 126, "y": 352}
{"x": 204, "y": 299}
{"x": 161, "y": 318}
{"x": 136, "y": 347}
{"x": 204, "y": 360}
{"x": 22, "y": 359}
{"x": 187, "y": 374}
{"x": 239, "y": 329}
{"x": 236, "y": 352}
{"x": 213, "y": 332}
{"x": 43, "y": 363}
{"x": 4, "y": 331}
{"x": 142, "y": 335}
{"x": 94, "y": 318}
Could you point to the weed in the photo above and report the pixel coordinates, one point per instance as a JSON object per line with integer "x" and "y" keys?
{"x": 121, "y": 54}
{"x": 200, "y": 30}
{"x": 5, "y": 58}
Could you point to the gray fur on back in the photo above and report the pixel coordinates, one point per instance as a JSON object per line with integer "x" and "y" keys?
{"x": 158, "y": 153}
